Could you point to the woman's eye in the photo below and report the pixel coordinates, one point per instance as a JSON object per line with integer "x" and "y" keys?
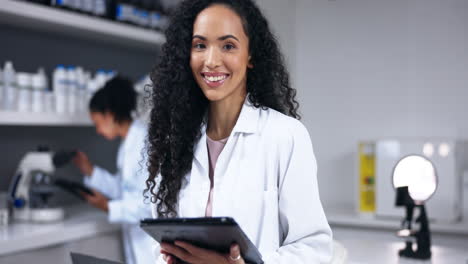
{"x": 199, "y": 46}
{"x": 228, "y": 47}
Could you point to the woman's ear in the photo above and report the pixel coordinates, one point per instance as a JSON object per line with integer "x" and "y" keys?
{"x": 109, "y": 116}
{"x": 249, "y": 64}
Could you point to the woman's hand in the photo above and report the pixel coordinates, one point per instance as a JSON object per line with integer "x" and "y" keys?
{"x": 97, "y": 200}
{"x": 82, "y": 162}
{"x": 194, "y": 255}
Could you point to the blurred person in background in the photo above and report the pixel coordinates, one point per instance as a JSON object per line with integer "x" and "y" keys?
{"x": 120, "y": 194}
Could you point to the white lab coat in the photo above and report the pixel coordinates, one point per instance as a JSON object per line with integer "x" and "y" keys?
{"x": 125, "y": 191}
{"x": 265, "y": 178}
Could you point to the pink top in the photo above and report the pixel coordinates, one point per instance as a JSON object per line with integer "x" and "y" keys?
{"x": 214, "y": 149}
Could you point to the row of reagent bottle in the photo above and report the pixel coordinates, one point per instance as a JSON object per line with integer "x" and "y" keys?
{"x": 71, "y": 90}
{"x": 73, "y": 87}
{"x": 100, "y": 8}
{"x": 144, "y": 13}
{"x": 24, "y": 92}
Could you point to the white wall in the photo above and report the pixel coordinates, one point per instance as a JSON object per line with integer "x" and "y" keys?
{"x": 369, "y": 69}
{"x": 281, "y": 17}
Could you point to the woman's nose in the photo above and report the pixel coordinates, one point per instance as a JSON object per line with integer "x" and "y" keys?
{"x": 213, "y": 58}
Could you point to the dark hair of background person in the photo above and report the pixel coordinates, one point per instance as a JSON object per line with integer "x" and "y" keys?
{"x": 179, "y": 105}
{"x": 117, "y": 97}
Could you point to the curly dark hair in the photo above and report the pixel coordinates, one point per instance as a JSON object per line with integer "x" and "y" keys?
{"x": 117, "y": 97}
{"x": 179, "y": 105}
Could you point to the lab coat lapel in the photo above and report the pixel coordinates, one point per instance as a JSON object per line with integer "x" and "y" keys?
{"x": 197, "y": 182}
{"x": 247, "y": 123}
{"x": 125, "y": 148}
{"x": 201, "y": 152}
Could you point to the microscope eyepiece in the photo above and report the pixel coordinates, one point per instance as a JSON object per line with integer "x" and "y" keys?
{"x": 61, "y": 158}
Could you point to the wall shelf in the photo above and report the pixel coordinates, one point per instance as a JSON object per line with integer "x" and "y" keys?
{"x": 349, "y": 218}
{"x": 48, "y": 19}
{"x": 43, "y": 119}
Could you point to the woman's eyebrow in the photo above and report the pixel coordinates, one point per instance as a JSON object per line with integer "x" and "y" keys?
{"x": 198, "y": 36}
{"x": 228, "y": 36}
{"x": 220, "y": 38}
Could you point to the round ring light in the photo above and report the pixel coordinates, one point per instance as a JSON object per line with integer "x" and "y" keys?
{"x": 419, "y": 174}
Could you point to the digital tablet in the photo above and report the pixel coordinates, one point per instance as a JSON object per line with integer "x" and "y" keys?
{"x": 215, "y": 233}
{"x": 73, "y": 187}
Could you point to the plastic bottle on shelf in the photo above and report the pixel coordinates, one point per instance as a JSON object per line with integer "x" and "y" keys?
{"x": 49, "y": 100}
{"x": 85, "y": 92}
{"x": 123, "y": 10}
{"x": 60, "y": 89}
{"x": 140, "y": 12}
{"x": 59, "y": 3}
{"x": 81, "y": 90}
{"x": 110, "y": 74}
{"x": 9, "y": 87}
{"x": 87, "y": 6}
{"x": 159, "y": 19}
{"x": 24, "y": 81}
{"x": 39, "y": 87}
{"x": 76, "y": 5}
{"x": 155, "y": 15}
{"x": 145, "y": 13}
{"x": 135, "y": 16}
{"x": 91, "y": 88}
{"x": 100, "y": 78}
{"x": 100, "y": 8}
{"x": 72, "y": 88}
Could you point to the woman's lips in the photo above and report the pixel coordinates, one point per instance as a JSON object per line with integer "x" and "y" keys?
{"x": 213, "y": 79}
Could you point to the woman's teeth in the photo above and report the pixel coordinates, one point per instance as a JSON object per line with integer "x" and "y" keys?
{"x": 216, "y": 78}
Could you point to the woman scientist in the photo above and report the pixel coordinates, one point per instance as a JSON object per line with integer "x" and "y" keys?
{"x": 225, "y": 139}
{"x": 120, "y": 194}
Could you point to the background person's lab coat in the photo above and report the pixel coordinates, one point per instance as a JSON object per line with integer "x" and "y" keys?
{"x": 266, "y": 179}
{"x": 125, "y": 192}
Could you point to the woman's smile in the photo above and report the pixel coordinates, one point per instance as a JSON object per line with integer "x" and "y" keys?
{"x": 214, "y": 79}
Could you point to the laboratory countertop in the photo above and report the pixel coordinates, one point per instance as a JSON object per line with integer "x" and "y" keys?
{"x": 81, "y": 221}
{"x": 366, "y": 246}
{"x": 347, "y": 217}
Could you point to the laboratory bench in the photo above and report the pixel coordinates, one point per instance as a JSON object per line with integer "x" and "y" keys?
{"x": 369, "y": 239}
{"x": 369, "y": 246}
{"x": 84, "y": 229}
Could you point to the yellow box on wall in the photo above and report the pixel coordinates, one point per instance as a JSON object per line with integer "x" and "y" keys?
{"x": 366, "y": 155}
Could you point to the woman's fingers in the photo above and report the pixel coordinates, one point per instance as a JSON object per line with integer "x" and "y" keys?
{"x": 189, "y": 247}
{"x": 164, "y": 256}
{"x": 235, "y": 255}
{"x": 176, "y": 251}
{"x": 167, "y": 257}
{"x": 170, "y": 260}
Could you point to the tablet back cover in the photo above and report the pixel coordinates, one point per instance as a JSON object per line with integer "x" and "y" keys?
{"x": 210, "y": 233}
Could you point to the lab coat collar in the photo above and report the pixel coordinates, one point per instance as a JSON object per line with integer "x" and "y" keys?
{"x": 248, "y": 118}
{"x": 132, "y": 134}
{"x": 246, "y": 123}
